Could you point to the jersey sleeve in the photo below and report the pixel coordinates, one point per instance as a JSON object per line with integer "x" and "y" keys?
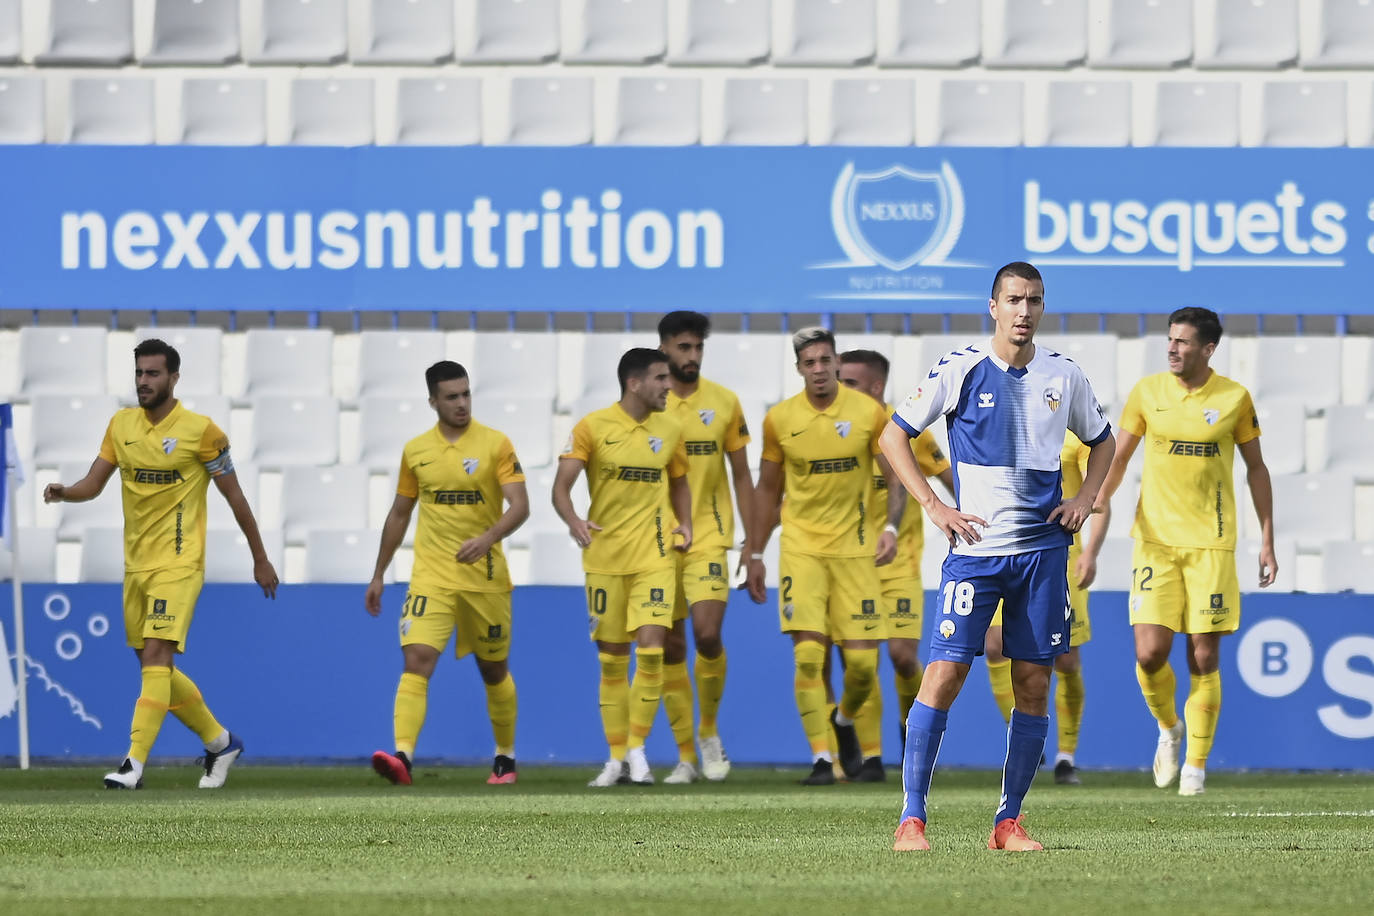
{"x": 508, "y": 469}
{"x": 1247, "y": 420}
{"x": 677, "y": 464}
{"x": 579, "y": 443}
{"x": 1132, "y": 415}
{"x": 929, "y": 458}
{"x": 879, "y": 423}
{"x": 1086, "y": 418}
{"x": 772, "y": 447}
{"x": 407, "y": 484}
{"x": 936, "y": 396}
{"x": 107, "y": 444}
{"x": 737, "y": 434}
{"x": 214, "y": 450}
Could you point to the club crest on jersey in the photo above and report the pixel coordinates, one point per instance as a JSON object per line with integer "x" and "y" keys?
{"x": 707, "y": 415}
{"x": 985, "y": 399}
{"x": 168, "y": 446}
{"x": 947, "y": 628}
{"x": 1052, "y": 399}
{"x": 470, "y": 465}
{"x": 655, "y": 443}
{"x": 842, "y": 427}
{"x": 1211, "y": 415}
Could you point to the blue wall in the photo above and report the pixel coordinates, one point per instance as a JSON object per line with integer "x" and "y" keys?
{"x": 311, "y": 675}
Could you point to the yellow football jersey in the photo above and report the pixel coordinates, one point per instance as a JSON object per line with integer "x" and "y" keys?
{"x": 712, "y": 424}
{"x": 911, "y": 535}
{"x": 1073, "y": 467}
{"x": 1186, "y": 495}
{"x": 827, "y": 465}
{"x": 628, "y": 466}
{"x": 165, "y": 470}
{"x": 458, "y": 486}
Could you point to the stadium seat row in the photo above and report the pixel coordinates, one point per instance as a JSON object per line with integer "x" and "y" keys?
{"x": 564, "y": 107}
{"x": 831, "y": 33}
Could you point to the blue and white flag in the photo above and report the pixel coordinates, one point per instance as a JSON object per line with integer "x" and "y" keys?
{"x": 9, "y": 461}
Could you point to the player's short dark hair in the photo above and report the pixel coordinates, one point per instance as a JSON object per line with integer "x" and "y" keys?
{"x": 1205, "y": 321}
{"x": 870, "y": 358}
{"x": 445, "y": 370}
{"x": 156, "y": 347}
{"x": 808, "y": 336}
{"x": 635, "y": 363}
{"x": 1015, "y": 269}
{"x": 684, "y": 322}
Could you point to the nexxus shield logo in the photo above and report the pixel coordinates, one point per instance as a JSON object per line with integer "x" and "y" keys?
{"x": 897, "y": 217}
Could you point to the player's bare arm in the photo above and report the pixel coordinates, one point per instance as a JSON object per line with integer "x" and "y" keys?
{"x": 896, "y": 446}
{"x": 88, "y": 487}
{"x": 1085, "y": 570}
{"x": 517, "y": 510}
{"x": 743, "y": 479}
{"x": 580, "y": 528}
{"x": 680, "y": 496}
{"x": 767, "y": 497}
{"x": 1262, "y": 493}
{"x": 896, "y": 504}
{"x": 1121, "y": 458}
{"x": 1071, "y": 513}
{"x": 263, "y": 573}
{"x": 393, "y": 532}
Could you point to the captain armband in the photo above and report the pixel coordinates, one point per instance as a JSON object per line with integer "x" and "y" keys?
{"x": 220, "y": 465}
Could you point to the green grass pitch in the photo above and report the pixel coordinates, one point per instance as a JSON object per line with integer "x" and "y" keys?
{"x": 339, "y": 840}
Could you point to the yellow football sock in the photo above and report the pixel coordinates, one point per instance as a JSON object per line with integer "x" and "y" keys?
{"x": 149, "y": 711}
{"x": 412, "y": 696}
{"x": 710, "y": 675}
{"x": 907, "y": 688}
{"x": 645, "y": 692}
{"x": 1068, "y": 709}
{"x": 1158, "y": 689}
{"x": 501, "y": 710}
{"x": 189, "y": 707}
{"x": 1200, "y": 712}
{"x": 868, "y": 724}
{"x": 999, "y": 674}
{"x": 810, "y": 657}
{"x": 677, "y": 702}
{"x": 615, "y": 701}
{"x": 860, "y": 677}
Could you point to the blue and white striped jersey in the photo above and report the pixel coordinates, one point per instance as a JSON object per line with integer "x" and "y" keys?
{"x": 1006, "y": 430}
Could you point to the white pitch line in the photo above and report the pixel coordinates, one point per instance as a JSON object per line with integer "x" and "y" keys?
{"x": 1299, "y": 814}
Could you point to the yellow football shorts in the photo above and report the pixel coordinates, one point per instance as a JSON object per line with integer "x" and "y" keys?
{"x": 838, "y": 596}
{"x": 904, "y": 605}
{"x": 1187, "y": 589}
{"x": 701, "y": 577}
{"x": 1080, "y": 626}
{"x": 617, "y": 606}
{"x": 159, "y": 604}
{"x": 481, "y": 620}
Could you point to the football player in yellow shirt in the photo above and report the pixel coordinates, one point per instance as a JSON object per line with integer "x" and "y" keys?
{"x": 820, "y": 448}
{"x": 1068, "y": 668}
{"x": 167, "y": 456}
{"x": 461, "y": 472}
{"x": 1184, "y": 566}
{"x": 636, "y": 466}
{"x": 903, "y": 594}
{"x": 715, "y": 433}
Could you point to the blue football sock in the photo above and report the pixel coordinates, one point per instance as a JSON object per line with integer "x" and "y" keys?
{"x": 925, "y": 729}
{"x": 1025, "y": 744}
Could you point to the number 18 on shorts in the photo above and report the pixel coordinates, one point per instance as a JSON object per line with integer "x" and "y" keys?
{"x": 1035, "y": 594}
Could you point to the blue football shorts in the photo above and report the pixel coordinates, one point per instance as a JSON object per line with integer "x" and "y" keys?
{"x": 1034, "y": 591}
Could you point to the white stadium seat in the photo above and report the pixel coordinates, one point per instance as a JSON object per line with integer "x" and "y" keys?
{"x": 618, "y": 32}
{"x": 407, "y": 32}
{"x": 1247, "y": 34}
{"x": 550, "y": 111}
{"x": 1140, "y": 33}
{"x": 601, "y": 353}
{"x": 751, "y": 365}
{"x": 218, "y": 515}
{"x": 516, "y": 363}
{"x": 529, "y": 424}
{"x": 194, "y": 32}
{"x": 1283, "y": 438}
{"x": 1344, "y": 37}
{"x": 322, "y": 498}
{"x": 296, "y": 361}
{"x": 89, "y": 32}
{"x": 658, "y": 112}
{"x": 1314, "y": 508}
{"x": 826, "y": 33}
{"x": 111, "y": 111}
{"x": 931, "y": 33}
{"x": 70, "y": 427}
{"x": 228, "y": 558}
{"x": 1247, "y": 561}
{"x": 331, "y": 112}
{"x": 1197, "y": 113}
{"x": 730, "y": 32}
{"x": 37, "y": 556}
{"x": 1349, "y": 435}
{"x": 294, "y": 430}
{"x": 1308, "y": 113}
{"x": 1114, "y": 561}
{"x": 105, "y": 511}
{"x": 976, "y": 112}
{"x": 1095, "y": 354}
{"x": 872, "y": 112}
{"x": 1348, "y": 566}
{"x": 343, "y": 556}
{"x": 765, "y": 112}
{"x": 11, "y": 36}
{"x": 386, "y": 424}
{"x": 394, "y": 362}
{"x": 556, "y": 558}
{"x": 223, "y": 112}
{"x": 439, "y": 111}
{"x": 1094, "y": 113}
{"x": 200, "y": 349}
{"x": 1307, "y": 367}
{"x": 301, "y": 31}
{"x": 513, "y": 31}
{"x": 48, "y": 357}
{"x": 22, "y": 109}
{"x": 1048, "y": 33}
{"x": 102, "y": 555}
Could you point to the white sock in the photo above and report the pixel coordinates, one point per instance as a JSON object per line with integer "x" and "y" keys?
{"x": 137, "y": 765}
{"x": 506, "y": 752}
{"x": 1190, "y": 770}
{"x": 1062, "y": 757}
{"x": 842, "y": 719}
{"x": 219, "y": 744}
{"x": 824, "y": 755}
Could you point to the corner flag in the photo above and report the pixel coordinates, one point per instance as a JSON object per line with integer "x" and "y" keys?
{"x": 13, "y": 475}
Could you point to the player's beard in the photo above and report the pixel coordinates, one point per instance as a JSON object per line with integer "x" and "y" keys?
{"x": 688, "y": 373}
{"x": 157, "y": 399}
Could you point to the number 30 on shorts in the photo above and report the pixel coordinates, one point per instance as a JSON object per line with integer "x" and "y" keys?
{"x": 959, "y": 598}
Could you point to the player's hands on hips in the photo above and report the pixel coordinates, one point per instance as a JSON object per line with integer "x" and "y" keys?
{"x": 683, "y": 531}
{"x": 373, "y": 599}
{"x": 581, "y": 530}
{"x": 887, "y": 549}
{"x": 1071, "y": 514}
{"x": 754, "y": 581}
{"x": 474, "y": 549}
{"x": 955, "y": 524}
{"x": 54, "y": 493}
{"x": 1268, "y": 566}
{"x": 1085, "y": 570}
{"x": 266, "y": 577}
